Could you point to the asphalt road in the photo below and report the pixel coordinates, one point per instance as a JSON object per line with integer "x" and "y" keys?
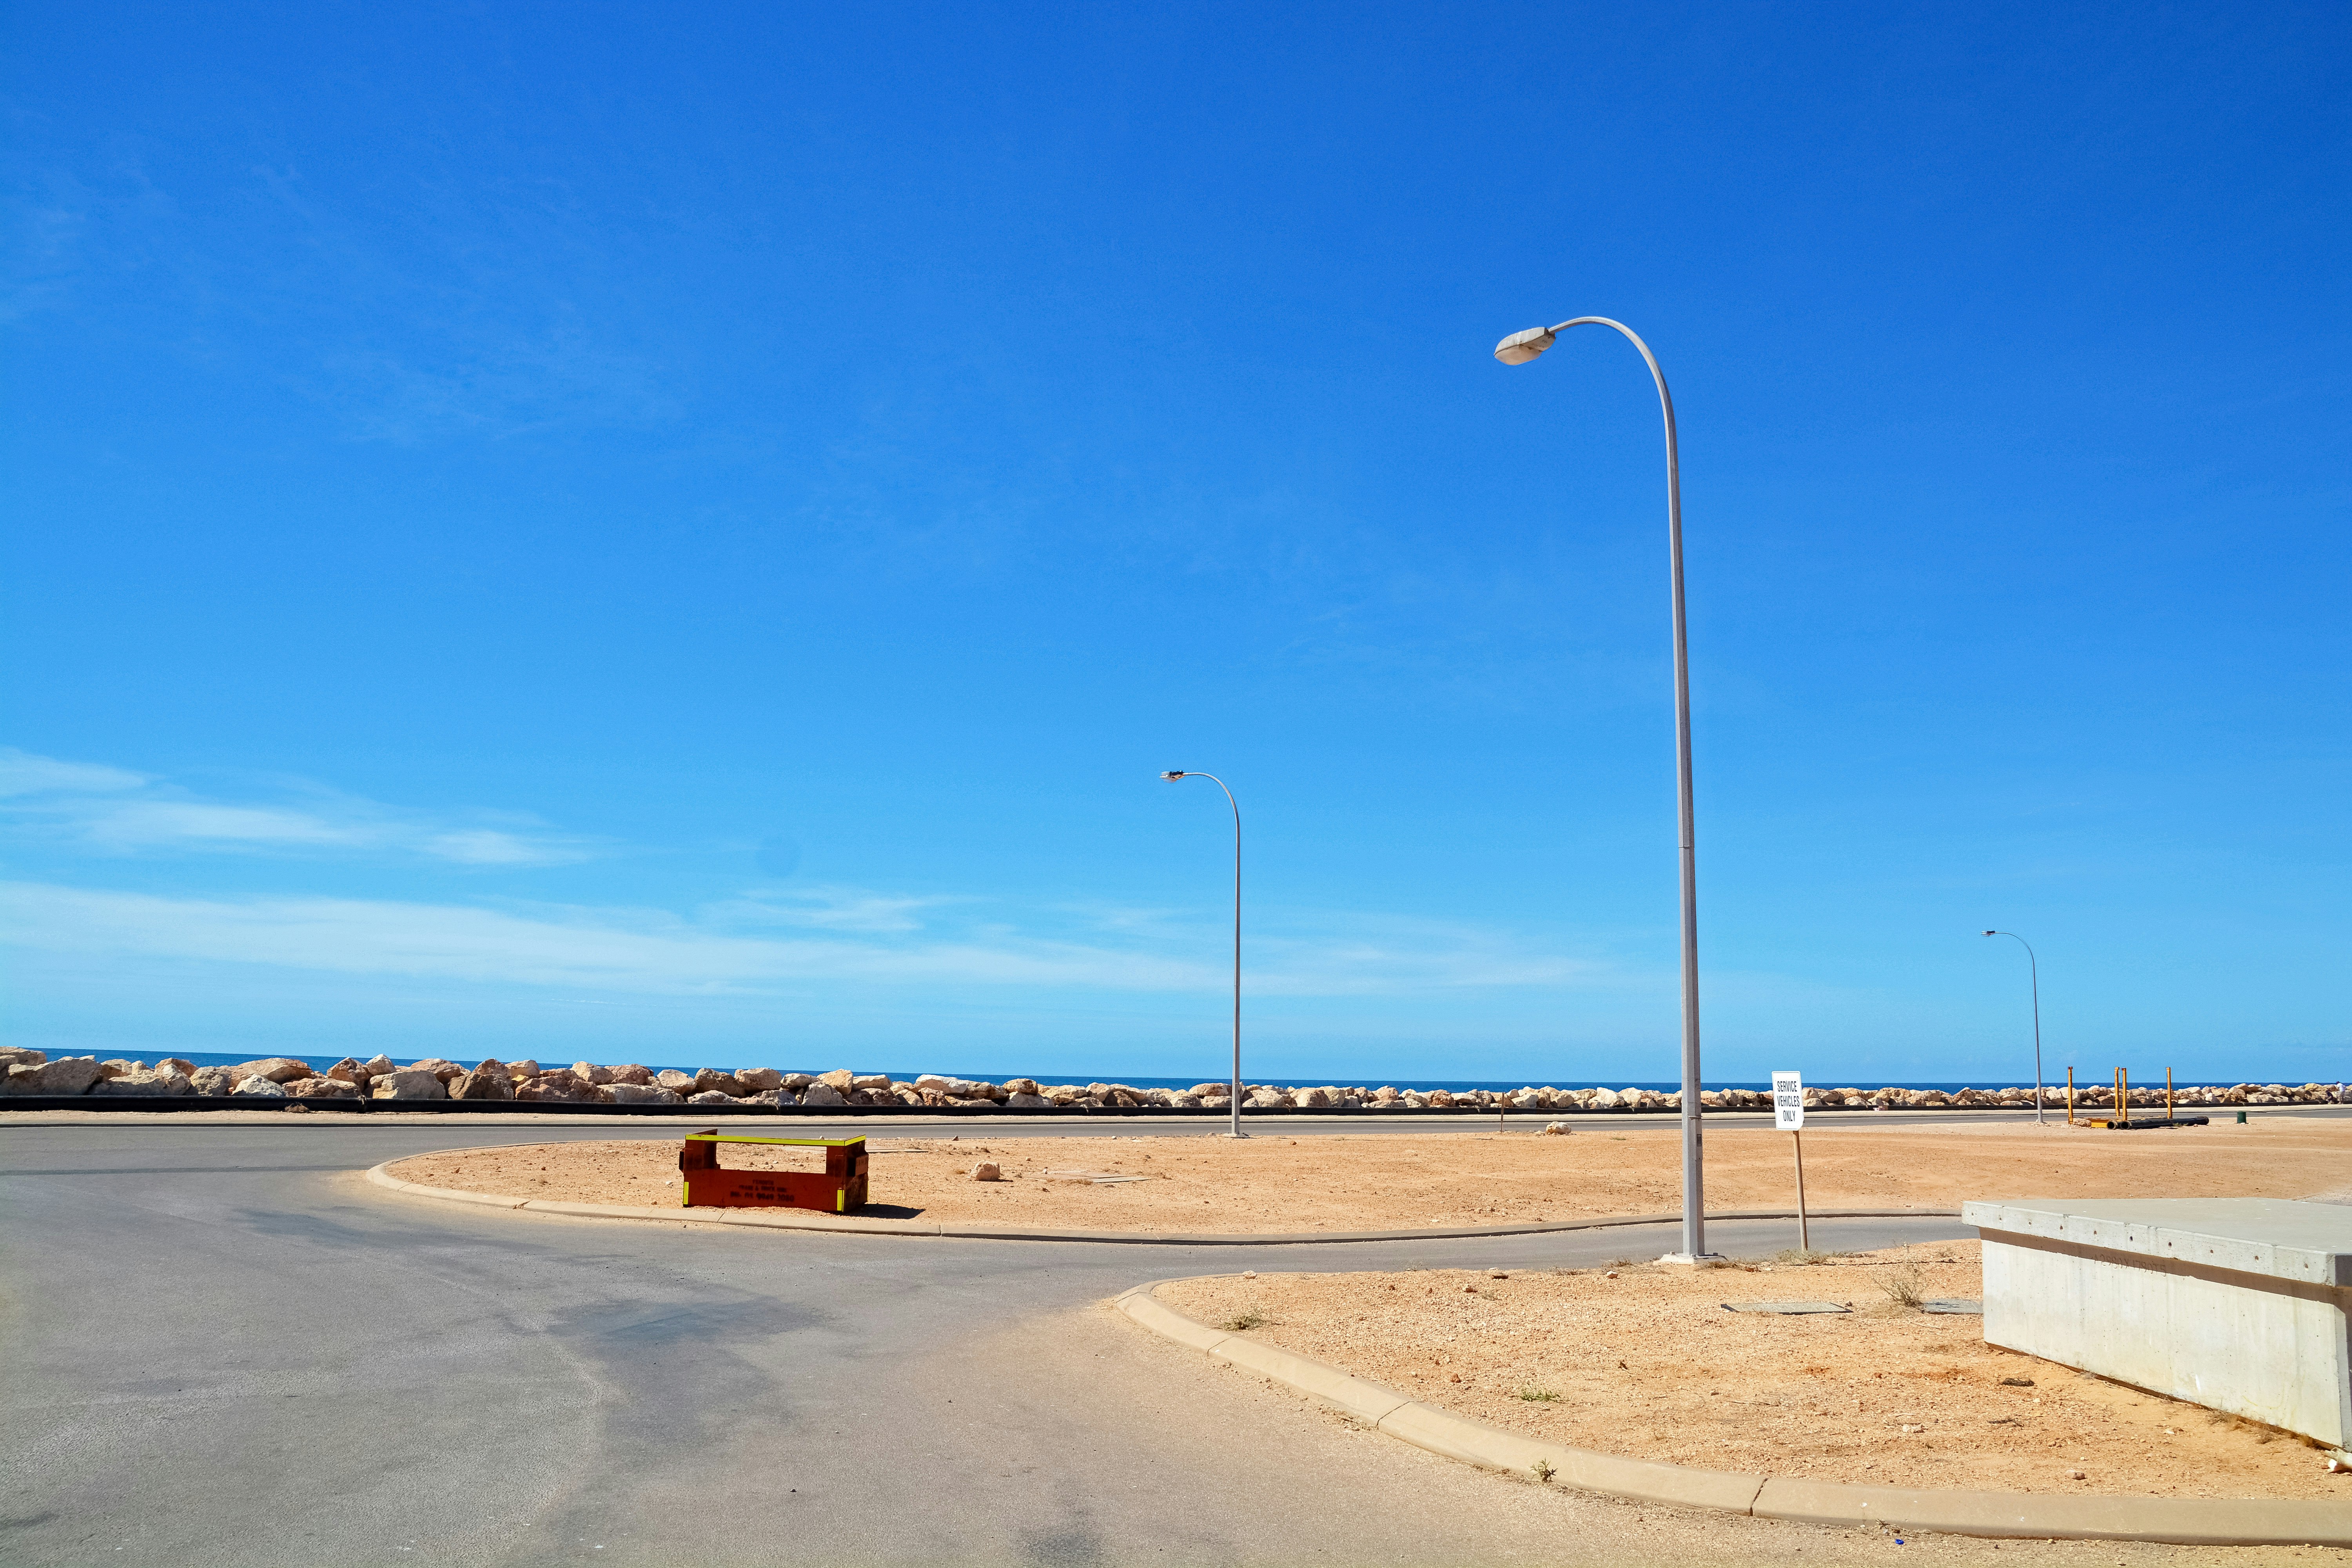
{"x": 222, "y": 1348}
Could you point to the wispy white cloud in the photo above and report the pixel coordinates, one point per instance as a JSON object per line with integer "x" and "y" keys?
{"x": 765, "y": 937}
{"x": 114, "y": 811}
{"x": 654, "y": 952}
{"x": 828, "y": 909}
{"x": 593, "y": 948}
{"x": 22, "y": 774}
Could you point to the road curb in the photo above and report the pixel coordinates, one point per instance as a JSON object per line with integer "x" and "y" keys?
{"x": 809, "y": 1219}
{"x": 2183, "y": 1521}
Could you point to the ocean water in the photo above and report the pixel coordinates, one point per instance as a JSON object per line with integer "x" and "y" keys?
{"x": 216, "y": 1058}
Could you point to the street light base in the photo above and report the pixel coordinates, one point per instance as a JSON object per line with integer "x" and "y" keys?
{"x": 1697, "y": 1260}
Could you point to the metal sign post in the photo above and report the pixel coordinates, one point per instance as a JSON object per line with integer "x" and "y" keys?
{"x": 1789, "y": 1116}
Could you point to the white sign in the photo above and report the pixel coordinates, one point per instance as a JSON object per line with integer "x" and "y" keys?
{"x": 1787, "y": 1102}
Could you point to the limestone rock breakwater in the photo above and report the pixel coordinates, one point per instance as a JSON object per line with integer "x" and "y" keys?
{"x": 281, "y": 1078}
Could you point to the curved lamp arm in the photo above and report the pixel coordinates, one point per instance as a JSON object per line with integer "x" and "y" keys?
{"x": 1234, "y": 1104}
{"x": 1519, "y": 349}
{"x": 2033, "y": 970}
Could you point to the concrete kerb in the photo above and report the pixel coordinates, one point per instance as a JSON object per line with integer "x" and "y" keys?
{"x": 2185, "y": 1521}
{"x": 810, "y": 1219}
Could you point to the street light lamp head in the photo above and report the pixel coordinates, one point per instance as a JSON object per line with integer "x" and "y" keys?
{"x": 1177, "y": 774}
{"x": 1521, "y": 347}
{"x": 1992, "y": 933}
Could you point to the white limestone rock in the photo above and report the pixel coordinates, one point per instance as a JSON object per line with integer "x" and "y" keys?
{"x": 144, "y": 1083}
{"x": 489, "y": 1080}
{"x": 560, "y": 1084}
{"x": 67, "y": 1075}
{"x": 276, "y": 1069}
{"x": 408, "y": 1083}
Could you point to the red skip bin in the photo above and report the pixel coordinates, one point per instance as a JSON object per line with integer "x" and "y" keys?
{"x": 840, "y": 1188}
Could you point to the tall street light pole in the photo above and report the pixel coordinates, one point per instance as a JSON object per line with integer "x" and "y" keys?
{"x": 1234, "y": 1104}
{"x": 2033, "y": 972}
{"x": 1519, "y": 349}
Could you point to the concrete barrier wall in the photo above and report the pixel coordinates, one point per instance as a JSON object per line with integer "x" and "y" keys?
{"x": 2239, "y": 1305}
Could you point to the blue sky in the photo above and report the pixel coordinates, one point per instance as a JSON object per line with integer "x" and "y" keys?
{"x": 687, "y": 534}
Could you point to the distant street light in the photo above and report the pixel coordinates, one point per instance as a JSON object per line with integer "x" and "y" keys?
{"x": 1234, "y": 1104}
{"x": 2033, "y": 972}
{"x": 1519, "y": 349}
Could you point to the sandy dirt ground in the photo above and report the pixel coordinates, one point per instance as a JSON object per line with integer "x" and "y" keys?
{"x": 1644, "y": 1361}
{"x": 1319, "y": 1454}
{"x": 1400, "y": 1180}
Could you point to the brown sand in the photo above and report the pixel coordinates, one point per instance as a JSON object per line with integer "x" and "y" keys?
{"x": 1399, "y": 1181}
{"x": 1650, "y": 1364}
